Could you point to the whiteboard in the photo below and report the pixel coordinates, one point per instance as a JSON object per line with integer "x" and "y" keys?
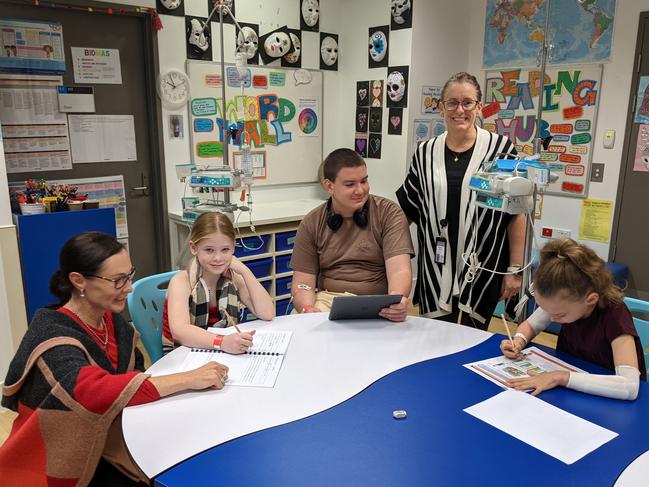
{"x": 570, "y": 100}
{"x": 281, "y": 119}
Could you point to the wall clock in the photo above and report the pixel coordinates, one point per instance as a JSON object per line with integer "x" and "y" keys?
{"x": 173, "y": 88}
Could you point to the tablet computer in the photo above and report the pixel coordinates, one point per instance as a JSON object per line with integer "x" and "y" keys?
{"x": 361, "y": 307}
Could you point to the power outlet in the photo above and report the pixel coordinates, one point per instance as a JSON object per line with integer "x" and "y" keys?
{"x": 597, "y": 173}
{"x": 554, "y": 233}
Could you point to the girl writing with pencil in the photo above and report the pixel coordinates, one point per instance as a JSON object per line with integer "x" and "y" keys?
{"x": 574, "y": 288}
{"x": 208, "y": 292}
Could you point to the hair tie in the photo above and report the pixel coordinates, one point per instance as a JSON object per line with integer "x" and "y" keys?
{"x": 560, "y": 256}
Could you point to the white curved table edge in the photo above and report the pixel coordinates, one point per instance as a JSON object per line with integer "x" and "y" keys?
{"x": 636, "y": 473}
{"x": 185, "y": 417}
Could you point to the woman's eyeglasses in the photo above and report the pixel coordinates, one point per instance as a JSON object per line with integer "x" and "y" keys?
{"x": 120, "y": 281}
{"x": 467, "y": 104}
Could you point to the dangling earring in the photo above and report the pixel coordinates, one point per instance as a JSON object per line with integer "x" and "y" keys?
{"x": 82, "y": 294}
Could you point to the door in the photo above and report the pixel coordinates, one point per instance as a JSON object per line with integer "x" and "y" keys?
{"x": 630, "y": 233}
{"x": 146, "y": 209}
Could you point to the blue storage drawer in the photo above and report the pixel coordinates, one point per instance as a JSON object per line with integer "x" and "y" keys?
{"x": 282, "y": 307}
{"x": 283, "y": 286}
{"x": 260, "y": 267}
{"x": 246, "y": 246}
{"x": 247, "y": 315}
{"x": 284, "y": 240}
{"x": 266, "y": 285}
{"x": 283, "y": 264}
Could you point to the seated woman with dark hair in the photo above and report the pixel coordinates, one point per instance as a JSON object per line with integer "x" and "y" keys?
{"x": 75, "y": 370}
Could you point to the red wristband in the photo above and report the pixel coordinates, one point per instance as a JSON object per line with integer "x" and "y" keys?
{"x": 308, "y": 307}
{"x": 217, "y": 341}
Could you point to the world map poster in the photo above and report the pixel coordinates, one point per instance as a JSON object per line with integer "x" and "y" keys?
{"x": 569, "y": 98}
{"x": 579, "y": 30}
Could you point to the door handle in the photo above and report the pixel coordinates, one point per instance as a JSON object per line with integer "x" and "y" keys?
{"x": 143, "y": 187}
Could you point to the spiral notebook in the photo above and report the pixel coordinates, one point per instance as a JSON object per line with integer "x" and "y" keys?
{"x": 259, "y": 367}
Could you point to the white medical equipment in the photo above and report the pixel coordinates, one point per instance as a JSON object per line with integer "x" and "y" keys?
{"x": 210, "y": 186}
{"x": 503, "y": 192}
{"x": 509, "y": 186}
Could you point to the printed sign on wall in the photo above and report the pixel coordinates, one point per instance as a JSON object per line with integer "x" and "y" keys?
{"x": 569, "y": 97}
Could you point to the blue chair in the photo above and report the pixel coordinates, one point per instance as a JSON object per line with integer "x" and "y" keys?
{"x": 145, "y": 306}
{"x": 640, "y": 311}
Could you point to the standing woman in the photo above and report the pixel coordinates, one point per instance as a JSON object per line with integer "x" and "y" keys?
{"x": 75, "y": 370}
{"x": 436, "y": 197}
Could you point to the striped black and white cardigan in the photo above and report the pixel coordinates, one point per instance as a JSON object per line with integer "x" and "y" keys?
{"x": 423, "y": 198}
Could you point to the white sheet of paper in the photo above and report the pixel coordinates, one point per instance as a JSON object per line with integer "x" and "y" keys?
{"x": 247, "y": 369}
{"x": 29, "y": 104}
{"x": 243, "y": 370}
{"x": 275, "y": 341}
{"x": 35, "y": 132}
{"x": 96, "y": 65}
{"x": 102, "y": 138}
{"x": 554, "y": 431}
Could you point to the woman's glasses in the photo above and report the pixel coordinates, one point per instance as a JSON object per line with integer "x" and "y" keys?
{"x": 467, "y": 104}
{"x": 120, "y": 281}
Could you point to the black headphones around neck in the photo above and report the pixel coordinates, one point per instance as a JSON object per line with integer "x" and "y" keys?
{"x": 335, "y": 221}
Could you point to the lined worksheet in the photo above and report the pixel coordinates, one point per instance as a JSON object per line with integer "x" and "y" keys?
{"x": 259, "y": 367}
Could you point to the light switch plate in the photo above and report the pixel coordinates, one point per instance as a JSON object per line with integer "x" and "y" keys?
{"x": 597, "y": 173}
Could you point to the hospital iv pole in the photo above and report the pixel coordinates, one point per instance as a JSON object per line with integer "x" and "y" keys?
{"x": 220, "y": 5}
{"x": 546, "y": 48}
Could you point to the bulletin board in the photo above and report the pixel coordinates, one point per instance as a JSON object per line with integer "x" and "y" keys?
{"x": 278, "y": 110}
{"x": 570, "y": 100}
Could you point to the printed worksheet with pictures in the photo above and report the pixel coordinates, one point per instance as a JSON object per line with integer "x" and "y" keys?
{"x": 500, "y": 369}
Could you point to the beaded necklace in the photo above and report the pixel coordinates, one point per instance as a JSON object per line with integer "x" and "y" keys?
{"x": 102, "y": 341}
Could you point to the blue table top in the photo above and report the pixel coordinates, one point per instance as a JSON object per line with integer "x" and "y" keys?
{"x": 359, "y": 443}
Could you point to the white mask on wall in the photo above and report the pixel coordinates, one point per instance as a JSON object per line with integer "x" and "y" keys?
{"x": 378, "y": 46}
{"x": 310, "y": 12}
{"x": 247, "y": 42}
{"x": 197, "y": 36}
{"x": 396, "y": 86}
{"x": 329, "y": 51}
{"x": 170, "y": 4}
{"x": 277, "y": 44}
{"x": 398, "y": 9}
{"x": 295, "y": 55}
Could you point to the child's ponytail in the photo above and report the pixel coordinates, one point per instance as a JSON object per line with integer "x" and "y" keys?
{"x": 567, "y": 266}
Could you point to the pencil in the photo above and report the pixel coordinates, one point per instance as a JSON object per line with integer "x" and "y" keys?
{"x": 508, "y": 332}
{"x": 231, "y": 321}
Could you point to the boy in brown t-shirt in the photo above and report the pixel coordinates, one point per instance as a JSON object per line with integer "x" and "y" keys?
{"x": 354, "y": 243}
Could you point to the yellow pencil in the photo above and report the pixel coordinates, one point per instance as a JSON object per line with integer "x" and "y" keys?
{"x": 231, "y": 321}
{"x": 508, "y": 332}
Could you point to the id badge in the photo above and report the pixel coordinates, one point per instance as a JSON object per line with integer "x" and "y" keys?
{"x": 440, "y": 250}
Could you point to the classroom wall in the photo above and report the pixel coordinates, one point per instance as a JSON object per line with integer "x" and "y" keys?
{"x": 6, "y": 347}
{"x": 13, "y": 320}
{"x": 269, "y": 14}
{"x": 386, "y": 173}
{"x": 5, "y": 208}
{"x": 563, "y": 212}
{"x": 434, "y": 58}
{"x": 350, "y": 20}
